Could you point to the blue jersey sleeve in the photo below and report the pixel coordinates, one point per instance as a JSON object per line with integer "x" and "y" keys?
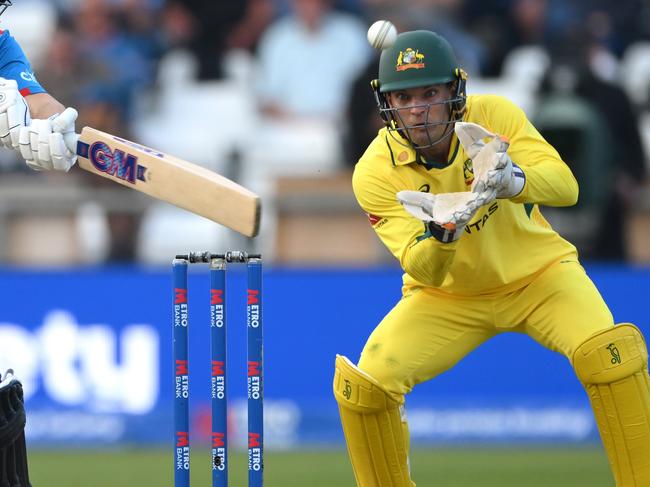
{"x": 14, "y": 65}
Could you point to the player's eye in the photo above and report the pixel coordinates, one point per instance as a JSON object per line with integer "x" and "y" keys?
{"x": 403, "y": 97}
{"x": 431, "y": 93}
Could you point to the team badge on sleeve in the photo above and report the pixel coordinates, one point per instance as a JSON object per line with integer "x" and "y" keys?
{"x": 376, "y": 221}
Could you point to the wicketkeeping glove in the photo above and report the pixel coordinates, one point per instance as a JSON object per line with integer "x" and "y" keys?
{"x": 13, "y": 450}
{"x": 447, "y": 214}
{"x": 495, "y": 175}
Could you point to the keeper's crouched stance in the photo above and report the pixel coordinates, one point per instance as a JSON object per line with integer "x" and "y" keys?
{"x": 612, "y": 365}
{"x": 426, "y": 334}
{"x": 452, "y": 186}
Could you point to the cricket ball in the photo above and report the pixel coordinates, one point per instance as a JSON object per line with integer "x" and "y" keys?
{"x": 382, "y": 34}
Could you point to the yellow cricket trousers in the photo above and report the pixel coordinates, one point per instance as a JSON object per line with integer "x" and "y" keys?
{"x": 427, "y": 333}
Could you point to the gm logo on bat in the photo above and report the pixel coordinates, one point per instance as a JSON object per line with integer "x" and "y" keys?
{"x": 116, "y": 163}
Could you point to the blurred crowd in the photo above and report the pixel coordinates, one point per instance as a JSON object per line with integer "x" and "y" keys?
{"x": 286, "y": 86}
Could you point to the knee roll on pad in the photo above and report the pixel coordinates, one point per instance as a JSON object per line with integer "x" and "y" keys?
{"x": 356, "y": 390}
{"x": 613, "y": 366}
{"x": 611, "y": 355}
{"x": 372, "y": 424}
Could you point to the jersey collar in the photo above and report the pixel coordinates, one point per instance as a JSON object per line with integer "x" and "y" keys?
{"x": 401, "y": 155}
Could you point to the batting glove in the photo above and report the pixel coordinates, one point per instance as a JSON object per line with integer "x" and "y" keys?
{"x": 495, "y": 175}
{"x": 446, "y": 214}
{"x": 44, "y": 148}
{"x": 14, "y": 113}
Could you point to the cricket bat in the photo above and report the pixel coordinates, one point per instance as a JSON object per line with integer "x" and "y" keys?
{"x": 164, "y": 177}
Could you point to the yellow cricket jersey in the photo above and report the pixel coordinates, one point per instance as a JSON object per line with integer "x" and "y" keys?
{"x": 507, "y": 242}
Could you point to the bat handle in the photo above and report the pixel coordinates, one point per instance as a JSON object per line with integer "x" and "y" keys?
{"x": 71, "y": 138}
{"x": 62, "y": 124}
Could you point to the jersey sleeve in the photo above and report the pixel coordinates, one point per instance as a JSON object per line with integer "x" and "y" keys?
{"x": 421, "y": 256}
{"x": 549, "y": 181}
{"x": 14, "y": 65}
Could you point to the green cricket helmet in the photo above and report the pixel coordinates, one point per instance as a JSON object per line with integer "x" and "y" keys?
{"x": 419, "y": 58}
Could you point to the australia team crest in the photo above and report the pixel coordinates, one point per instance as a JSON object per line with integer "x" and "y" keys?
{"x": 468, "y": 172}
{"x": 409, "y": 59}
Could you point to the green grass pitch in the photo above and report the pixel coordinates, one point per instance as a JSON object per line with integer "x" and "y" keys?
{"x": 449, "y": 467}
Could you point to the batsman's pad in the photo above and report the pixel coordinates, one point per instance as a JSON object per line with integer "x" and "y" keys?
{"x": 372, "y": 424}
{"x": 13, "y": 451}
{"x": 613, "y": 366}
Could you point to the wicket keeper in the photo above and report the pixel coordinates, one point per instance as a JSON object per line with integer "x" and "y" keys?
{"x": 27, "y": 111}
{"x": 452, "y": 186}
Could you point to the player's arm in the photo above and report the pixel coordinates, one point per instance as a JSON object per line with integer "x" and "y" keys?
{"x": 548, "y": 179}
{"x": 420, "y": 252}
{"x": 43, "y": 105}
{"x": 26, "y": 112}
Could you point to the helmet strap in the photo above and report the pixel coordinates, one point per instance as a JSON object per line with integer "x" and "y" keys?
{"x": 382, "y": 104}
{"x": 458, "y": 107}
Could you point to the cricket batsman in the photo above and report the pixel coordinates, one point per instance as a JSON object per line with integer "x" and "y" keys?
{"x": 26, "y": 114}
{"x": 27, "y": 111}
{"x": 452, "y": 186}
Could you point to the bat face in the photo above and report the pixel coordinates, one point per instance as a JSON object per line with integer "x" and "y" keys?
{"x": 167, "y": 178}
{"x": 116, "y": 163}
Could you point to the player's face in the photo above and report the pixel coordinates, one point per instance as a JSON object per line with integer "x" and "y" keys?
{"x": 422, "y": 113}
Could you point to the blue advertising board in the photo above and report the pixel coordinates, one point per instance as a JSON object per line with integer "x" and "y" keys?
{"x": 92, "y": 347}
